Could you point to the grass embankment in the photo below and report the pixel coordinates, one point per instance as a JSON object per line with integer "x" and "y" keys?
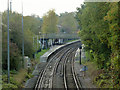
{"x": 100, "y": 77}
{"x": 18, "y": 78}
{"x": 40, "y": 54}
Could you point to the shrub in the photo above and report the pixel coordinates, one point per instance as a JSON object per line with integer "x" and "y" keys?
{"x": 102, "y": 83}
{"x": 9, "y": 86}
{"x": 12, "y": 81}
{"x": 28, "y": 76}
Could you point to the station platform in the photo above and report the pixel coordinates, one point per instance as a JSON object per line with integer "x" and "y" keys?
{"x": 44, "y": 57}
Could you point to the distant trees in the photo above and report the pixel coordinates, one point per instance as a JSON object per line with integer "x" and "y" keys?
{"x": 50, "y": 22}
{"x": 68, "y": 22}
{"x": 33, "y": 23}
{"x": 100, "y": 33}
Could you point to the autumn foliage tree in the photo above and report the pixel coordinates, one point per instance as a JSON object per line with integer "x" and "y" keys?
{"x": 31, "y": 27}
{"x": 50, "y": 22}
{"x": 100, "y": 33}
{"x": 68, "y": 22}
{"x": 114, "y": 41}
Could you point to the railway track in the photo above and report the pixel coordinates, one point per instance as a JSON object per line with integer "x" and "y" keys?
{"x": 70, "y": 77}
{"x": 58, "y": 71}
{"x": 61, "y": 63}
{"x": 45, "y": 76}
{"x": 67, "y": 72}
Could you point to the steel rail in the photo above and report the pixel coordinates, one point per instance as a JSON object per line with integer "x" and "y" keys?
{"x": 57, "y": 63}
{"x": 64, "y": 71}
{"x": 40, "y": 78}
{"x": 75, "y": 77}
{"x": 41, "y": 74}
{"x": 61, "y": 55}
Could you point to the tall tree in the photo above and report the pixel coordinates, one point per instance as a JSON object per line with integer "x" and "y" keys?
{"x": 100, "y": 32}
{"x": 68, "y": 22}
{"x": 50, "y": 22}
{"x": 94, "y": 31}
{"x": 114, "y": 41}
{"x": 33, "y": 23}
{"x": 15, "y": 40}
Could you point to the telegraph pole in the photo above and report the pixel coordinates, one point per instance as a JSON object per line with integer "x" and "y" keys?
{"x": 8, "y": 47}
{"x": 22, "y": 38}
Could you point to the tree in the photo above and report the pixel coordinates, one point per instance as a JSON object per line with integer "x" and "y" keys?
{"x": 33, "y": 23}
{"x": 114, "y": 41}
{"x": 100, "y": 33}
{"x": 94, "y": 31}
{"x": 68, "y": 22}
{"x": 16, "y": 40}
{"x": 50, "y": 22}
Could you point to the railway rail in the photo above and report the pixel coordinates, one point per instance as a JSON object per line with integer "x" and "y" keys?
{"x": 63, "y": 63}
{"x": 41, "y": 82}
{"x": 71, "y": 79}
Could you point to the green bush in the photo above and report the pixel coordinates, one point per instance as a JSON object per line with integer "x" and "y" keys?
{"x": 9, "y": 87}
{"x": 4, "y": 78}
{"x": 28, "y": 76}
{"x": 13, "y": 72}
{"x": 102, "y": 83}
{"x": 12, "y": 81}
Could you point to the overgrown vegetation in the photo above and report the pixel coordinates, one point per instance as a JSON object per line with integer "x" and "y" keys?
{"x": 100, "y": 33}
{"x": 16, "y": 80}
{"x": 68, "y": 23}
{"x": 31, "y": 28}
{"x": 40, "y": 54}
{"x": 50, "y": 22}
{"x": 16, "y": 38}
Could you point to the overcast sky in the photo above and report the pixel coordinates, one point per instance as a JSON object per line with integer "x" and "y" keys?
{"x": 40, "y": 7}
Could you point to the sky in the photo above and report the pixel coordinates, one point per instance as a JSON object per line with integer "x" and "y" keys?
{"x": 40, "y": 7}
